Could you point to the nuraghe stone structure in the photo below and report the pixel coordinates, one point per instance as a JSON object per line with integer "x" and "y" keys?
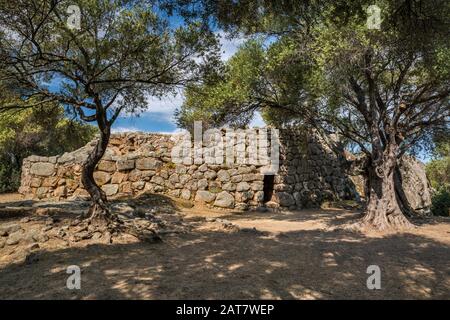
{"x": 310, "y": 171}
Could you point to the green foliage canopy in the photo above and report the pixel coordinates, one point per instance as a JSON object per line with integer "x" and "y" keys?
{"x": 44, "y": 131}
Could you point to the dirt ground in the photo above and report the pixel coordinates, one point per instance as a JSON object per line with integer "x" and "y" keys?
{"x": 228, "y": 255}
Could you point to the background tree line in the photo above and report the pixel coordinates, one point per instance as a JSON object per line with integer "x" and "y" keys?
{"x": 438, "y": 171}
{"x": 46, "y": 130}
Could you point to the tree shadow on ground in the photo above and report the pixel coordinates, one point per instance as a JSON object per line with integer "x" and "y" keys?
{"x": 240, "y": 265}
{"x": 332, "y": 217}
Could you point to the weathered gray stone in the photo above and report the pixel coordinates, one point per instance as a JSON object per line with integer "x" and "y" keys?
{"x": 158, "y": 180}
{"x": 241, "y": 206}
{"x": 223, "y": 176}
{"x": 138, "y": 185}
{"x": 224, "y": 200}
{"x": 298, "y": 199}
{"x": 198, "y": 175}
{"x": 285, "y": 199}
{"x": 252, "y": 177}
{"x": 147, "y": 174}
{"x": 243, "y": 170}
{"x": 164, "y": 174}
{"x": 125, "y": 164}
{"x": 416, "y": 187}
{"x": 242, "y": 186}
{"x": 135, "y": 175}
{"x": 229, "y": 186}
{"x": 184, "y": 178}
{"x": 204, "y": 196}
{"x": 210, "y": 174}
{"x": 118, "y": 177}
{"x": 174, "y": 178}
{"x": 41, "y": 192}
{"x": 180, "y": 169}
{"x": 15, "y": 237}
{"x": 148, "y": 164}
{"x": 66, "y": 157}
{"x": 110, "y": 189}
{"x": 185, "y": 194}
{"x": 107, "y": 166}
{"x": 202, "y": 184}
{"x": 259, "y": 196}
{"x": 174, "y": 193}
{"x": 102, "y": 177}
{"x": 244, "y": 196}
{"x": 42, "y": 169}
{"x": 257, "y": 186}
{"x": 9, "y": 228}
{"x": 53, "y": 160}
{"x": 40, "y": 237}
{"x": 236, "y": 178}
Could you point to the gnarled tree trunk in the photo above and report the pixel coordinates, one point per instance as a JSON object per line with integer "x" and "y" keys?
{"x": 100, "y": 215}
{"x": 99, "y": 211}
{"x": 383, "y": 210}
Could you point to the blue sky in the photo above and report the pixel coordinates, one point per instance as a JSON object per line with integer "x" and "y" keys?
{"x": 159, "y": 117}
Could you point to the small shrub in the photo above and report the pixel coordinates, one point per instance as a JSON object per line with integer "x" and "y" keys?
{"x": 170, "y": 165}
{"x": 441, "y": 203}
{"x": 9, "y": 178}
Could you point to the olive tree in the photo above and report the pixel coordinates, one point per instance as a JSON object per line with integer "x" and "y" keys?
{"x": 383, "y": 87}
{"x": 100, "y": 59}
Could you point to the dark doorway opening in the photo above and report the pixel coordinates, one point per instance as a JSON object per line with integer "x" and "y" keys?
{"x": 268, "y": 187}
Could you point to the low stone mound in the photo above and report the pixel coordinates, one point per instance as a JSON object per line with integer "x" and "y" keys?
{"x": 309, "y": 172}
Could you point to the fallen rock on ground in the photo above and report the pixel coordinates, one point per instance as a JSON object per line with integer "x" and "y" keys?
{"x": 7, "y": 229}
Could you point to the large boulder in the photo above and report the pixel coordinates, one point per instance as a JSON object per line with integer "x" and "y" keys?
{"x": 42, "y": 169}
{"x": 204, "y": 196}
{"x": 415, "y": 189}
{"x": 415, "y": 185}
{"x": 224, "y": 200}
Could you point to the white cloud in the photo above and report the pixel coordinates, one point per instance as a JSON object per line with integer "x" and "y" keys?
{"x": 166, "y": 105}
{"x": 176, "y": 131}
{"x": 124, "y": 129}
{"x": 163, "y": 109}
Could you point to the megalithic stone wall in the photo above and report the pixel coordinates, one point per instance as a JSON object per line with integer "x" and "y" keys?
{"x": 309, "y": 172}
